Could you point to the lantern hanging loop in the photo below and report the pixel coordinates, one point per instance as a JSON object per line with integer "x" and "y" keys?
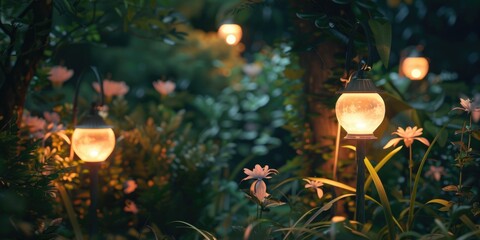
{"x": 364, "y": 66}
{"x": 77, "y": 90}
{"x": 92, "y": 121}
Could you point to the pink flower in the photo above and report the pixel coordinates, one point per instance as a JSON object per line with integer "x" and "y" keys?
{"x": 435, "y": 172}
{"x": 259, "y": 190}
{"x": 34, "y": 124}
{"x": 112, "y": 88}
{"x": 130, "y": 206}
{"x": 315, "y": 184}
{"x": 259, "y": 173}
{"x": 258, "y": 187}
{"x": 129, "y": 186}
{"x": 407, "y": 135}
{"x": 470, "y": 106}
{"x": 59, "y": 74}
{"x": 164, "y": 88}
{"x": 52, "y": 117}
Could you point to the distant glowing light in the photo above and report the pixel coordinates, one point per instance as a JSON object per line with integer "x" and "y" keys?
{"x": 415, "y": 68}
{"x": 416, "y": 73}
{"x": 232, "y": 33}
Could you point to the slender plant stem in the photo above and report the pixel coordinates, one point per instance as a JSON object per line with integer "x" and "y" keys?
{"x": 410, "y": 166}
{"x": 258, "y": 215}
{"x": 417, "y": 179}
{"x": 460, "y": 160}
{"x": 469, "y": 134}
{"x": 70, "y": 211}
{"x": 461, "y": 175}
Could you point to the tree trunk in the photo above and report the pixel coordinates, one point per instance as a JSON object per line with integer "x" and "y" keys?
{"x": 18, "y": 75}
{"x": 320, "y": 65}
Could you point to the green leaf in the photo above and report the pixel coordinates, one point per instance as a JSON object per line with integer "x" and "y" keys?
{"x": 467, "y": 236}
{"x": 368, "y": 4}
{"x": 468, "y": 222}
{"x": 309, "y": 16}
{"x": 442, "y": 227}
{"x": 383, "y": 198}
{"x": 432, "y": 129}
{"x": 322, "y": 22}
{"x": 204, "y": 233}
{"x": 381, "y": 164}
{"x": 341, "y": 1}
{"x": 382, "y": 33}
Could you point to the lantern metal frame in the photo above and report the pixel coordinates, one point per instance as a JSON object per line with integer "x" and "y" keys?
{"x": 91, "y": 121}
{"x": 358, "y": 83}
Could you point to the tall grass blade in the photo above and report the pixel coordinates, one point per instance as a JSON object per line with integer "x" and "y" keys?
{"x": 383, "y": 198}
{"x": 381, "y": 164}
{"x": 204, "y": 233}
{"x": 417, "y": 179}
{"x": 70, "y": 211}
{"x": 469, "y": 224}
{"x": 334, "y": 183}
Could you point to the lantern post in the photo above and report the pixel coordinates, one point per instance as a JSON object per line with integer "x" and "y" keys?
{"x": 93, "y": 141}
{"x": 360, "y": 110}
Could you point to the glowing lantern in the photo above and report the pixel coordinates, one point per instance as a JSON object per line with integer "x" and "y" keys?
{"x": 360, "y": 109}
{"x": 415, "y": 68}
{"x": 93, "y": 140}
{"x": 232, "y": 33}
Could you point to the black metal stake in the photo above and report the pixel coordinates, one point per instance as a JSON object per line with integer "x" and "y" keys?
{"x": 360, "y": 192}
{"x": 92, "y": 210}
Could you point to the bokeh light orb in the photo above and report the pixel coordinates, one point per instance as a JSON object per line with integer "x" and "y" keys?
{"x": 415, "y": 68}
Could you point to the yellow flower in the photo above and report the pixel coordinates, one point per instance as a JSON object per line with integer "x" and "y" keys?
{"x": 407, "y": 135}
{"x": 315, "y": 184}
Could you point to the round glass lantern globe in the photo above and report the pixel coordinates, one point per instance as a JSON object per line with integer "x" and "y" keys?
{"x": 231, "y": 33}
{"x": 93, "y": 145}
{"x": 415, "y": 68}
{"x": 360, "y": 113}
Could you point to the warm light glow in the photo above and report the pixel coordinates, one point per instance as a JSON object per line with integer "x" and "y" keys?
{"x": 415, "y": 68}
{"x": 360, "y": 113}
{"x": 93, "y": 145}
{"x": 231, "y": 39}
{"x": 232, "y": 33}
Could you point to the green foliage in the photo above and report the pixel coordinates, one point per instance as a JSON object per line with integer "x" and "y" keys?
{"x": 382, "y": 33}
{"x": 184, "y": 152}
{"x": 26, "y": 189}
